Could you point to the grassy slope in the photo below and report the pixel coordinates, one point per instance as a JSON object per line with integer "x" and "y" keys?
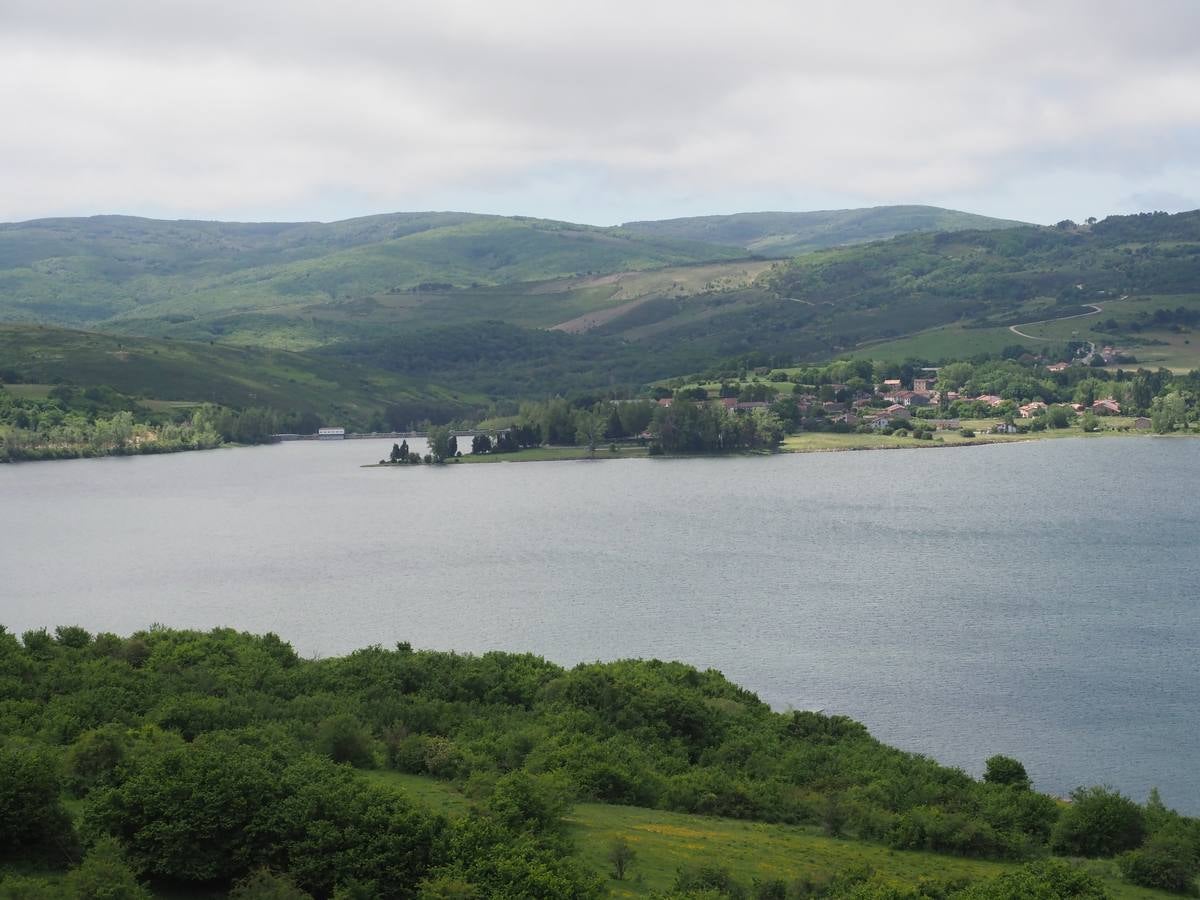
{"x": 169, "y": 370}
{"x": 782, "y": 234}
{"x": 91, "y": 271}
{"x": 1179, "y": 351}
{"x": 665, "y": 841}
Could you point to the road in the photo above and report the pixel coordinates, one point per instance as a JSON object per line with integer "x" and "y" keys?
{"x": 1015, "y": 329}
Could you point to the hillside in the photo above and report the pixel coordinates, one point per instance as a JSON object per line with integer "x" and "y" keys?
{"x": 783, "y": 234}
{"x": 168, "y": 370}
{"x": 192, "y": 759}
{"x": 86, "y": 272}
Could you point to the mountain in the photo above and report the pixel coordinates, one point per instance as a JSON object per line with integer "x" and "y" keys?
{"x": 783, "y": 234}
{"x": 113, "y": 269}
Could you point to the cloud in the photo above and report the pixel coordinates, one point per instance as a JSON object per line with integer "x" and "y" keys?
{"x": 306, "y": 109}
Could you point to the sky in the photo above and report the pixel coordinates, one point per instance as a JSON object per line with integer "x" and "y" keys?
{"x": 598, "y": 112}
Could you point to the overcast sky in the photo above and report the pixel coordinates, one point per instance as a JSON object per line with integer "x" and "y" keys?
{"x": 597, "y": 112}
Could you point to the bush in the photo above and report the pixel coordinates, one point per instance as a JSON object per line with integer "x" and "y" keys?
{"x": 344, "y": 739}
{"x": 104, "y": 875}
{"x": 32, "y": 817}
{"x": 1046, "y": 880}
{"x": 1099, "y": 822}
{"x": 1007, "y": 771}
{"x": 1168, "y": 861}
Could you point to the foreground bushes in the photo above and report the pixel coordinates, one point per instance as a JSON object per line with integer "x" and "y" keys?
{"x": 210, "y": 756}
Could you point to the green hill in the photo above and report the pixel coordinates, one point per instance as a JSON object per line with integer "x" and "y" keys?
{"x": 98, "y": 271}
{"x": 169, "y": 370}
{"x": 783, "y": 234}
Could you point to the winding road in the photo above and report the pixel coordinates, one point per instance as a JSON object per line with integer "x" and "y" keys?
{"x": 1015, "y": 329}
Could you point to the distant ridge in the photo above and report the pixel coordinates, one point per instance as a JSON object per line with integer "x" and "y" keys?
{"x": 783, "y": 234}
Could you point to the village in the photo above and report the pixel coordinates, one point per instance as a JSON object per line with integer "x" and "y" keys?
{"x": 915, "y": 404}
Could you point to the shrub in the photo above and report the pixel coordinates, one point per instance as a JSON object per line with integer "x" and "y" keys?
{"x": 1099, "y": 822}
{"x": 32, "y": 817}
{"x": 104, "y": 875}
{"x": 1170, "y": 861}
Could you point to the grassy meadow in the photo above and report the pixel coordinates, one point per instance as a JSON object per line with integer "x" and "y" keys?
{"x": 667, "y": 841}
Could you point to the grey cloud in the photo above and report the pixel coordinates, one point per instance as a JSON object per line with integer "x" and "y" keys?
{"x": 219, "y": 108}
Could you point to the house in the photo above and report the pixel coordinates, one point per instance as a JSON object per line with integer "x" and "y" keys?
{"x": 833, "y": 406}
{"x": 1004, "y": 428}
{"x": 897, "y": 411}
{"x": 890, "y": 384}
{"x": 1106, "y": 407}
{"x": 752, "y": 404}
{"x": 331, "y": 434}
{"x": 1058, "y": 367}
{"x": 1141, "y": 423}
{"x": 1029, "y": 410}
{"x": 989, "y": 399}
{"x": 923, "y": 385}
{"x": 727, "y": 402}
{"x": 664, "y": 402}
{"x": 848, "y": 418}
{"x": 883, "y": 420}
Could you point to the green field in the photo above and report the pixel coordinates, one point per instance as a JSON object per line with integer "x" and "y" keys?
{"x": 1153, "y": 347}
{"x": 666, "y": 841}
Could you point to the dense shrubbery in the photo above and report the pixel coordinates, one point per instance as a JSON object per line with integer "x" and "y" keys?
{"x": 72, "y": 423}
{"x": 210, "y": 756}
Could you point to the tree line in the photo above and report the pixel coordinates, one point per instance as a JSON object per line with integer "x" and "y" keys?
{"x": 199, "y": 759}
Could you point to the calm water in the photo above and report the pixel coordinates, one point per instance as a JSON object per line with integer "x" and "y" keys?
{"x": 1038, "y": 600}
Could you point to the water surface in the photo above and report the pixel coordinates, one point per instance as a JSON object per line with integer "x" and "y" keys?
{"x": 1036, "y": 599}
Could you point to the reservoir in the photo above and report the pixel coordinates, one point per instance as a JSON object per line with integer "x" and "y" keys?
{"x": 1040, "y": 600}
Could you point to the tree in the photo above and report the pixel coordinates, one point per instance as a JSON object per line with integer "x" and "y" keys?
{"x": 396, "y": 455}
{"x": 263, "y": 884}
{"x": 32, "y": 817}
{"x": 1099, "y": 822}
{"x": 104, "y": 875}
{"x": 481, "y": 444}
{"x": 1007, "y": 771}
{"x": 1168, "y": 412}
{"x": 439, "y": 438}
{"x": 452, "y": 446}
{"x": 614, "y": 429}
{"x": 589, "y": 429}
{"x": 621, "y": 855}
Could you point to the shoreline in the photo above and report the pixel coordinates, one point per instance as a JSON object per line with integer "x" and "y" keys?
{"x": 850, "y": 443}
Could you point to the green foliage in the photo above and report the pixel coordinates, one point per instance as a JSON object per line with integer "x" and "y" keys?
{"x": 104, "y": 875}
{"x": 1005, "y": 770}
{"x": 344, "y": 739}
{"x": 1169, "y": 860}
{"x": 1043, "y": 880}
{"x": 1098, "y": 822}
{"x": 217, "y": 809}
{"x": 263, "y": 884}
{"x": 32, "y": 817}
{"x": 211, "y": 755}
{"x": 621, "y": 855}
{"x": 439, "y": 438}
{"x": 782, "y": 234}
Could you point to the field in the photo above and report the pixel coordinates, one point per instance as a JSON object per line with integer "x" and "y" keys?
{"x": 1177, "y": 350}
{"x": 666, "y": 841}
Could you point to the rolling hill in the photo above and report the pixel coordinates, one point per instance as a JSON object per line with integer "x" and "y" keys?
{"x": 784, "y": 234}
{"x": 526, "y": 332}
{"x": 152, "y": 275}
{"x": 168, "y": 370}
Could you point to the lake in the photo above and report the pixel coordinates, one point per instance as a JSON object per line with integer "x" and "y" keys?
{"x": 1038, "y": 599}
